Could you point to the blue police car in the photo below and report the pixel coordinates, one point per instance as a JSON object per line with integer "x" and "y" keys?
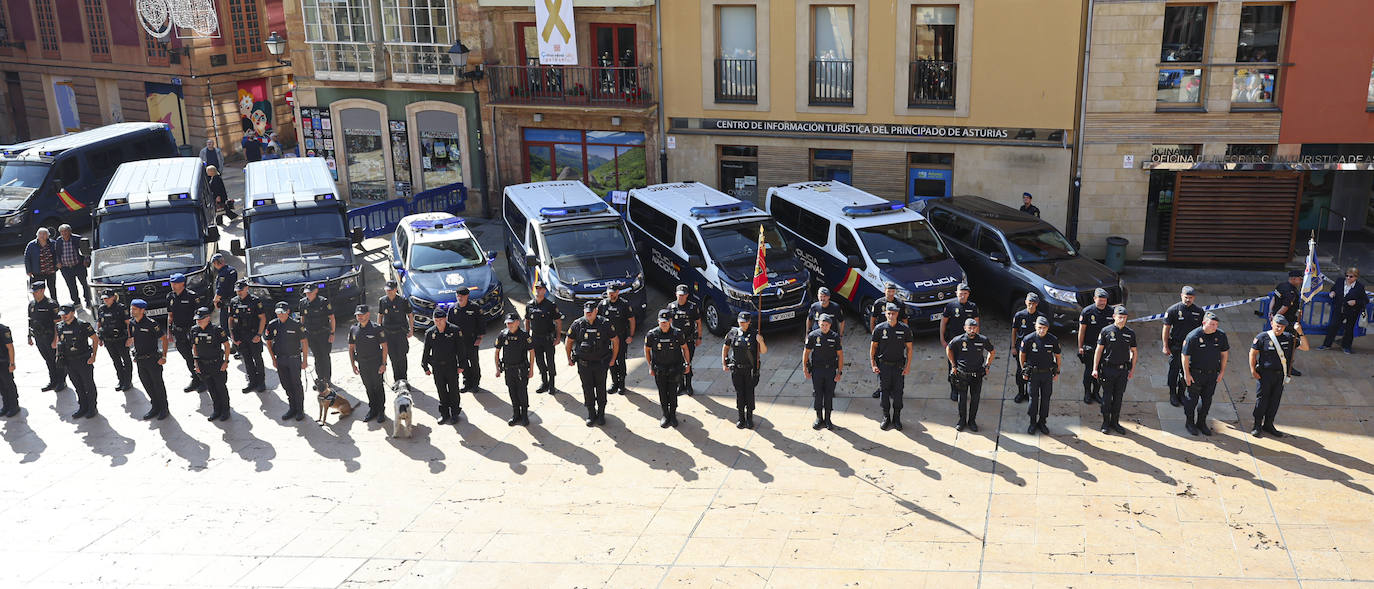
{"x": 432, "y": 255}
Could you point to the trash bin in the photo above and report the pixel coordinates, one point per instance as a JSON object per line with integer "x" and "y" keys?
{"x": 1116, "y": 253}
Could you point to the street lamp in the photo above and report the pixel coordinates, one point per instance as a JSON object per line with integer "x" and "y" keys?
{"x": 276, "y": 45}
{"x": 458, "y": 54}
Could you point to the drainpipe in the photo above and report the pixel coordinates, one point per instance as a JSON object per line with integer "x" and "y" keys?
{"x": 1075, "y": 189}
{"x": 662, "y": 119}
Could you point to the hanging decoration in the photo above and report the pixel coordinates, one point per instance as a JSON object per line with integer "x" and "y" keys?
{"x": 160, "y": 17}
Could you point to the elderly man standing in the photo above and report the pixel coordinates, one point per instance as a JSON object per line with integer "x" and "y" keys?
{"x": 40, "y": 259}
{"x": 72, "y": 264}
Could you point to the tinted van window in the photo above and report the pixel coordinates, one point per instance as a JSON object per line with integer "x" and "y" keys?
{"x": 514, "y": 219}
{"x": 952, "y": 226}
{"x": 655, "y": 223}
{"x": 812, "y": 226}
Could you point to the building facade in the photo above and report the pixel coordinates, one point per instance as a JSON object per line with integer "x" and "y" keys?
{"x": 77, "y": 64}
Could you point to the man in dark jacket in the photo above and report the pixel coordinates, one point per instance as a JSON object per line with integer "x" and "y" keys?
{"x": 224, "y": 207}
{"x": 1349, "y": 300}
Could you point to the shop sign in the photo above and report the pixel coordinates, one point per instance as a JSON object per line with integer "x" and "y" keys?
{"x": 869, "y": 130}
{"x": 1180, "y": 160}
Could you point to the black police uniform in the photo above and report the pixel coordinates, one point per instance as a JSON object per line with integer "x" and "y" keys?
{"x": 148, "y": 335}
{"x": 515, "y": 349}
{"x": 1182, "y": 320}
{"x": 1204, "y": 361}
{"x": 665, "y": 355}
{"x": 208, "y": 346}
{"x": 879, "y": 313}
{"x": 74, "y": 348}
{"x": 618, "y": 315}
{"x": 834, "y": 310}
{"x": 315, "y": 318}
{"x": 471, "y": 325}
{"x": 1269, "y": 391}
{"x": 43, "y": 318}
{"x": 9, "y": 393}
{"x": 182, "y": 317}
{"x": 285, "y": 340}
{"x": 366, "y": 343}
{"x": 1022, "y": 325}
{"x": 591, "y": 341}
{"x": 247, "y": 314}
{"x": 956, "y": 313}
{"x": 541, "y": 317}
{"x": 1114, "y": 370}
{"x": 970, "y": 366}
{"x": 442, "y": 354}
{"x": 684, "y": 318}
{"x": 1091, "y": 320}
{"x": 1041, "y": 366}
{"x": 825, "y": 348}
{"x": 1286, "y": 294}
{"x": 112, "y": 323}
{"x": 394, "y": 315}
{"x": 225, "y": 278}
{"x": 891, "y": 359}
{"x": 743, "y": 360}
{"x": 1030, "y": 210}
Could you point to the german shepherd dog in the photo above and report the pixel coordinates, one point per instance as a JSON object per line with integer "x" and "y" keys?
{"x": 332, "y": 400}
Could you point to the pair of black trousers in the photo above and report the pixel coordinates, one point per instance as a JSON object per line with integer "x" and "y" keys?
{"x": 83, "y": 380}
{"x": 592, "y": 373}
{"x": 1041, "y": 388}
{"x": 823, "y": 388}
{"x": 1268, "y": 394}
{"x": 970, "y": 389}
{"x": 289, "y": 374}
{"x": 251, "y": 353}
{"x": 667, "y": 379}
{"x": 119, "y": 356}
{"x": 1198, "y": 401}
{"x": 57, "y": 370}
{"x": 182, "y": 337}
{"x": 543, "y": 358}
{"x": 150, "y": 374}
{"x": 217, "y": 384}
{"x": 472, "y": 368}
{"x": 374, "y": 385}
{"x": 319, "y": 349}
{"x": 518, "y": 385}
{"x": 892, "y": 385}
{"x": 1343, "y": 323}
{"x": 1113, "y": 392}
{"x": 397, "y": 346}
{"x": 446, "y": 388}
{"x": 744, "y": 381}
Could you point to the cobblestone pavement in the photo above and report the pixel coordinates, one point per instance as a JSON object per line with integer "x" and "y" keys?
{"x": 114, "y": 501}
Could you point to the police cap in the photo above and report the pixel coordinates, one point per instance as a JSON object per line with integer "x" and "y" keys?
{"x": 1188, "y": 290}
{"x": 202, "y": 312}
{"x": 963, "y": 286}
{"x": 665, "y": 315}
{"x": 109, "y": 292}
{"x": 218, "y": 257}
{"x": 138, "y": 304}
{"x": 463, "y": 291}
{"x": 1032, "y": 297}
{"x": 890, "y": 286}
{"x": 610, "y": 288}
{"x": 38, "y": 285}
{"x": 1120, "y": 310}
{"x": 178, "y": 277}
{"x": 67, "y": 308}
{"x": 283, "y": 307}
{"x": 1100, "y": 293}
{"x": 1042, "y": 320}
{"x": 823, "y": 291}
{"x": 1280, "y": 320}
{"x": 681, "y": 289}
{"x": 828, "y": 318}
{"x": 390, "y": 284}
{"x": 1295, "y": 273}
{"x": 892, "y": 307}
{"x": 311, "y": 287}
{"x": 440, "y": 312}
{"x": 1212, "y": 316}
{"x": 512, "y": 317}
{"x": 970, "y": 322}
{"x": 241, "y": 284}
{"x": 744, "y": 317}
{"x": 360, "y": 310}
{"x": 589, "y": 306}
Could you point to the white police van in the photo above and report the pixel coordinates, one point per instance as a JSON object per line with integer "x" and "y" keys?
{"x": 694, "y": 235}
{"x": 563, "y": 235}
{"x": 854, "y": 242}
{"x": 432, "y": 254}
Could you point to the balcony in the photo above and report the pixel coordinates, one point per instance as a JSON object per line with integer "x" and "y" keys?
{"x": 737, "y": 81}
{"x": 570, "y": 85}
{"x": 349, "y": 62}
{"x": 932, "y": 84}
{"x": 831, "y": 82}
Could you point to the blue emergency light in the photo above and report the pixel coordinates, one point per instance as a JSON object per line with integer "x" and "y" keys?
{"x": 572, "y": 211}
{"x": 719, "y": 210}
{"x": 179, "y": 196}
{"x": 325, "y": 196}
{"x": 424, "y": 224}
{"x": 109, "y": 202}
{"x": 264, "y": 201}
{"x": 873, "y": 209}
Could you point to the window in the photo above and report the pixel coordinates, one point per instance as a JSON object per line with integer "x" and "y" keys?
{"x": 1259, "y": 43}
{"x": 245, "y": 28}
{"x": 68, "y": 171}
{"x": 990, "y": 244}
{"x": 812, "y": 226}
{"x": 690, "y": 246}
{"x": 440, "y": 148}
{"x": 736, "y": 54}
{"x": 614, "y": 45}
{"x": 832, "y": 164}
{"x": 340, "y": 34}
{"x": 156, "y": 53}
{"x": 785, "y": 213}
{"x": 47, "y": 29}
{"x": 4, "y": 25}
{"x": 104, "y": 162}
{"x": 658, "y": 225}
{"x": 846, "y": 243}
{"x": 952, "y": 226}
{"x": 739, "y": 172}
{"x": 418, "y": 34}
{"x": 831, "y": 79}
{"x": 604, "y": 160}
{"x": 514, "y": 219}
{"x": 1182, "y": 52}
{"x": 364, "y": 142}
{"x": 527, "y": 43}
{"x": 96, "y": 32}
{"x": 932, "y": 57}
{"x": 929, "y": 175}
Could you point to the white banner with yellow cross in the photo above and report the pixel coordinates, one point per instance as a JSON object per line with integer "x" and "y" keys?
{"x": 557, "y": 33}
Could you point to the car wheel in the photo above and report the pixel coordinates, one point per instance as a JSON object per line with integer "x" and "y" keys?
{"x": 714, "y": 317}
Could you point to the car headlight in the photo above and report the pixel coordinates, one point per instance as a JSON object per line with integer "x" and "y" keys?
{"x": 259, "y": 292}
{"x": 15, "y": 219}
{"x": 422, "y": 303}
{"x": 1059, "y": 294}
{"x": 903, "y": 295}
{"x": 638, "y": 283}
{"x": 739, "y": 296}
{"x": 563, "y": 292}
{"x": 348, "y": 282}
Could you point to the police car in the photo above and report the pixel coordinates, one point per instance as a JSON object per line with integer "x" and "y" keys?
{"x": 432, "y": 254}
{"x": 854, "y": 242}
{"x": 692, "y": 234}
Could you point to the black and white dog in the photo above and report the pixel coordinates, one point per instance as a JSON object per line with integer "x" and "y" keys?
{"x": 403, "y": 404}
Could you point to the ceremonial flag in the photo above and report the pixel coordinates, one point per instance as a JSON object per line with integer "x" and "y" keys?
{"x": 849, "y": 285}
{"x": 760, "y": 266}
{"x": 69, "y": 201}
{"x": 1312, "y": 280}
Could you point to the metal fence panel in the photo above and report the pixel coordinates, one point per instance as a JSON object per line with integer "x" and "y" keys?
{"x": 382, "y": 218}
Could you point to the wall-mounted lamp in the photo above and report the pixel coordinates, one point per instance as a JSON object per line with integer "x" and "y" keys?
{"x": 276, "y": 46}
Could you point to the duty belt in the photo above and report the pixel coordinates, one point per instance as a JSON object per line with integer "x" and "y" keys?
{"x": 1117, "y": 366}
{"x": 891, "y": 362}
{"x": 514, "y": 367}
{"x": 148, "y": 356}
{"x": 967, "y": 374}
{"x": 1039, "y": 370}
{"x": 1201, "y": 371}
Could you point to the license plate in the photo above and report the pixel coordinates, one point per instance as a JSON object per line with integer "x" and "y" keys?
{"x": 783, "y": 316}
{"x": 157, "y": 312}
{"x": 937, "y": 316}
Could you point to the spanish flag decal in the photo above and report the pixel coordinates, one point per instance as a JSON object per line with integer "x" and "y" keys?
{"x": 849, "y": 285}
{"x": 69, "y": 201}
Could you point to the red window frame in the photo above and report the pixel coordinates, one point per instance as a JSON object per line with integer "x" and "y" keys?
{"x": 96, "y": 31}
{"x": 47, "y": 29}
{"x": 616, "y": 50}
{"x": 245, "y": 30}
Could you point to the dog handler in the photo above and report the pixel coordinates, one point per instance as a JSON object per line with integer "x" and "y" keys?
{"x": 367, "y": 351}
{"x": 290, "y": 356}
{"x": 444, "y": 357}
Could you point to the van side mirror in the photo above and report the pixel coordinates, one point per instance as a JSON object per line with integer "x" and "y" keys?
{"x": 1076, "y": 245}
{"x": 491, "y": 256}
{"x": 998, "y": 258}
{"x": 213, "y": 234}
{"x": 357, "y": 235}
{"x": 397, "y": 264}
{"x": 856, "y": 262}
{"x": 236, "y": 248}
{"x": 531, "y": 260}
{"x": 696, "y": 262}
{"x": 85, "y": 246}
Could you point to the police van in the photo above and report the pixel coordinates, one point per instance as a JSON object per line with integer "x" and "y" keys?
{"x": 695, "y": 235}
{"x": 153, "y": 221}
{"x": 296, "y": 232}
{"x": 562, "y": 234}
{"x": 432, "y": 254}
{"x": 855, "y": 242}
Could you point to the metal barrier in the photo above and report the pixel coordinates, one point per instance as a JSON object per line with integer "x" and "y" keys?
{"x": 382, "y": 218}
{"x": 1316, "y": 315}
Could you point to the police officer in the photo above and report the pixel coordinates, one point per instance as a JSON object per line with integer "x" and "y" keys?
{"x": 1091, "y": 320}
{"x": 1022, "y": 325}
{"x": 467, "y": 317}
{"x": 290, "y": 354}
{"x": 1027, "y": 207}
{"x": 367, "y": 354}
{"x": 43, "y": 317}
{"x": 247, "y": 320}
{"x": 669, "y": 356}
{"x": 317, "y": 316}
{"x": 622, "y": 320}
{"x": 1205, "y": 352}
{"x": 878, "y": 312}
{"x": 1040, "y": 364}
{"x": 822, "y": 306}
{"x": 1270, "y": 353}
{"x": 1286, "y": 300}
{"x": 112, "y": 323}
{"x": 969, "y": 355}
{"x": 398, "y": 320}
{"x": 444, "y": 356}
{"x": 77, "y": 344}
{"x": 590, "y": 345}
{"x": 226, "y": 277}
{"x": 956, "y": 312}
{"x": 1113, "y": 365}
{"x": 823, "y": 363}
{"x": 182, "y": 304}
{"x": 546, "y": 327}
{"x": 889, "y": 355}
{"x": 515, "y": 356}
{"x": 210, "y": 347}
{"x": 740, "y": 356}
{"x": 149, "y": 341}
{"x": 1179, "y": 320}
{"x": 687, "y": 319}
{"x": 9, "y": 393}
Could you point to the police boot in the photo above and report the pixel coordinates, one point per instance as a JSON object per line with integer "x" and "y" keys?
{"x": 514, "y": 417}
{"x": 897, "y": 419}
{"x": 1021, "y": 396}
{"x": 1175, "y": 399}
{"x": 887, "y": 421}
{"x": 1087, "y": 394}
{"x": 687, "y": 385}
{"x": 741, "y": 423}
{"x": 664, "y": 422}
{"x": 290, "y": 413}
{"x": 591, "y": 416}
{"x": 1106, "y": 426}
{"x": 820, "y": 420}
{"x": 601, "y": 415}
{"x": 443, "y": 416}
{"x": 524, "y": 416}
{"x": 1202, "y": 427}
{"x": 749, "y": 418}
{"x": 828, "y": 424}
{"x": 672, "y": 415}
{"x": 544, "y": 382}
{"x": 152, "y": 412}
{"x": 1269, "y": 429}
{"x": 1189, "y": 425}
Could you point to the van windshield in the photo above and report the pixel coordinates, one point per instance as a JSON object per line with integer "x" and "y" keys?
{"x": 18, "y": 180}
{"x": 735, "y": 247}
{"x": 174, "y": 226}
{"x": 587, "y": 239}
{"x": 901, "y": 244}
{"x": 1040, "y": 245}
{"x": 309, "y": 227}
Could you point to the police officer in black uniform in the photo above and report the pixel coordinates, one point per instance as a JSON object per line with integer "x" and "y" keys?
{"x": 467, "y": 317}
{"x": 1113, "y": 365}
{"x": 823, "y": 363}
{"x": 290, "y": 354}
{"x": 1027, "y": 207}
{"x": 43, "y": 318}
{"x": 444, "y": 356}
{"x": 247, "y": 320}
{"x": 956, "y": 312}
{"x": 210, "y": 347}
{"x": 1179, "y": 321}
{"x": 1266, "y": 366}
{"x": 687, "y": 319}
{"x": 317, "y": 316}
{"x": 226, "y": 277}
{"x": 591, "y": 344}
{"x": 182, "y": 303}
{"x": 741, "y": 357}
{"x": 149, "y": 341}
{"x": 546, "y": 327}
{"x": 1091, "y": 320}
{"x": 1205, "y": 352}
{"x": 1040, "y": 364}
{"x": 367, "y": 354}
{"x": 1022, "y": 325}
{"x": 515, "y": 356}
{"x": 1286, "y": 300}
{"x": 878, "y": 313}
{"x": 622, "y": 319}
{"x": 822, "y": 306}
{"x": 889, "y": 355}
{"x": 398, "y": 320}
{"x": 112, "y": 323}
{"x": 77, "y": 344}
{"x": 9, "y": 393}
{"x": 969, "y": 355}
{"x": 669, "y": 356}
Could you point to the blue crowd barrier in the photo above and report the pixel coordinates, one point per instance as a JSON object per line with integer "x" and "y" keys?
{"x": 382, "y": 218}
{"x": 1316, "y": 314}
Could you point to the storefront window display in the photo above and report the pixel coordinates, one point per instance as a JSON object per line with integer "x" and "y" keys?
{"x": 363, "y": 147}
{"x": 440, "y": 152}
{"x": 604, "y": 160}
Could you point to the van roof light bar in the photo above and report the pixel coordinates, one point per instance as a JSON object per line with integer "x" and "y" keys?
{"x": 575, "y": 210}
{"x": 881, "y": 208}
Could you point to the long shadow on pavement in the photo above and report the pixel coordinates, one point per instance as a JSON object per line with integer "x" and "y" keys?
{"x": 655, "y": 455}
{"x": 22, "y": 439}
{"x": 729, "y": 456}
{"x": 193, "y": 451}
{"x": 333, "y": 441}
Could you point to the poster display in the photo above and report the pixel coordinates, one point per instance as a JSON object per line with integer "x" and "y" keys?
{"x": 400, "y": 158}
{"x": 317, "y": 133}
